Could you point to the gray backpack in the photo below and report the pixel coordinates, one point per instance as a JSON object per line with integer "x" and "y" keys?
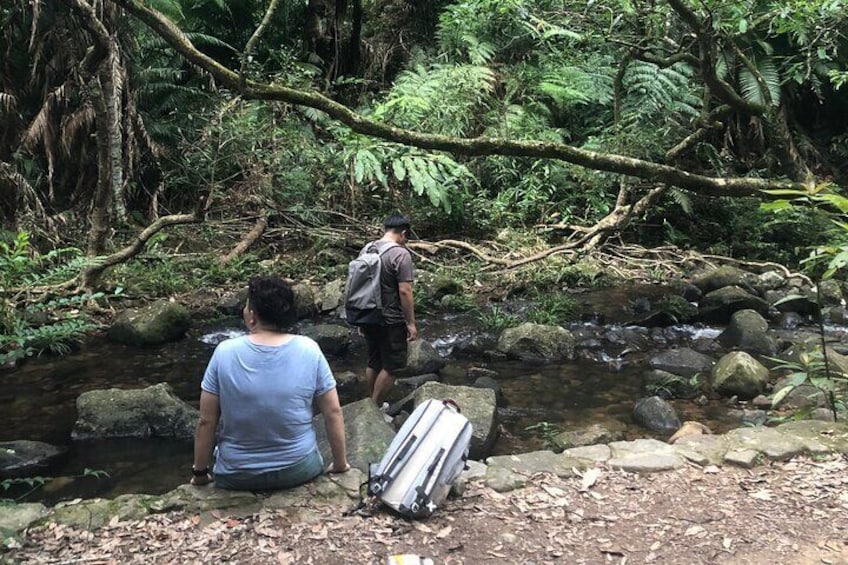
{"x": 363, "y": 295}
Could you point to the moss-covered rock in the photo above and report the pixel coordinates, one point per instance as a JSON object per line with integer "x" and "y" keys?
{"x": 160, "y": 322}
{"x": 739, "y": 374}
{"x": 154, "y": 411}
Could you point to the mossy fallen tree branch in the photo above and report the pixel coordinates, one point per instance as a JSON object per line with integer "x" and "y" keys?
{"x": 91, "y": 275}
{"x": 478, "y": 146}
{"x": 248, "y": 240}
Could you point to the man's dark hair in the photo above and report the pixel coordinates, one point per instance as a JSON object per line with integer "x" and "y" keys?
{"x": 272, "y": 299}
{"x": 397, "y": 223}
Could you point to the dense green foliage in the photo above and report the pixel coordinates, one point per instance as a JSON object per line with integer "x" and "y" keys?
{"x": 31, "y": 324}
{"x": 725, "y": 89}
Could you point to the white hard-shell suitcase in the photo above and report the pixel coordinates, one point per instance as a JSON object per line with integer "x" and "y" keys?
{"x": 425, "y": 457}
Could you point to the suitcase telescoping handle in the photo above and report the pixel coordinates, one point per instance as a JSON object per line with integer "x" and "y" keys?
{"x": 382, "y": 480}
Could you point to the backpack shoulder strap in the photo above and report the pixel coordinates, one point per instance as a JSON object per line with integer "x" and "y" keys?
{"x": 387, "y": 247}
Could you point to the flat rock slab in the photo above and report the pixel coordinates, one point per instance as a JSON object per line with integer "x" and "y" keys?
{"x": 299, "y": 503}
{"x": 646, "y": 462}
{"x": 592, "y": 453}
{"x": 622, "y": 449}
{"x": 710, "y": 448}
{"x": 537, "y": 462}
{"x": 97, "y": 512}
{"x": 509, "y": 472}
{"x": 15, "y": 518}
{"x": 501, "y": 479}
{"x": 746, "y": 458}
{"x": 768, "y": 441}
{"x": 644, "y": 456}
{"x": 816, "y": 434}
{"x": 200, "y": 499}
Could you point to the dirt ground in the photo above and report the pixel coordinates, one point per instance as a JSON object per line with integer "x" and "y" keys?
{"x": 784, "y": 513}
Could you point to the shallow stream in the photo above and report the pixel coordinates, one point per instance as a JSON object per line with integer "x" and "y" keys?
{"x": 38, "y": 400}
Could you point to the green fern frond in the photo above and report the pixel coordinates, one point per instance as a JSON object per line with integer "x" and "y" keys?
{"x": 479, "y": 52}
{"x": 682, "y": 199}
{"x": 652, "y": 90}
{"x": 571, "y": 86}
{"x": 442, "y": 98}
{"x": 751, "y": 89}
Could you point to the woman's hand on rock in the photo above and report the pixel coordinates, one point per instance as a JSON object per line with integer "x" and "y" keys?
{"x": 334, "y": 468}
{"x": 201, "y": 481}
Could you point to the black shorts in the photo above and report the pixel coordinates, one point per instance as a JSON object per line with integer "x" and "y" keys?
{"x": 386, "y": 346}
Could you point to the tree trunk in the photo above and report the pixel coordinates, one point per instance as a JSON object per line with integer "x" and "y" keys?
{"x": 100, "y": 203}
{"x": 112, "y": 97}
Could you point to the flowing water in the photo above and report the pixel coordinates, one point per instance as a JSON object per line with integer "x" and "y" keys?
{"x": 38, "y": 400}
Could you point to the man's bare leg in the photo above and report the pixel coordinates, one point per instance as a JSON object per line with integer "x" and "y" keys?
{"x": 370, "y": 378}
{"x": 382, "y": 385}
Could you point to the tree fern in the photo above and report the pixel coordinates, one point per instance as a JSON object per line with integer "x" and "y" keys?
{"x": 654, "y": 91}
{"x": 442, "y": 98}
{"x": 573, "y": 86}
{"x": 436, "y": 176}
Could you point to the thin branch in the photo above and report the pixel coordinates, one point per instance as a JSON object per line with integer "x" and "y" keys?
{"x": 709, "y": 123}
{"x": 254, "y": 39}
{"x": 707, "y": 61}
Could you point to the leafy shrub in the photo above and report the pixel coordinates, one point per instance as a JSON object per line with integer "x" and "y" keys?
{"x": 33, "y": 323}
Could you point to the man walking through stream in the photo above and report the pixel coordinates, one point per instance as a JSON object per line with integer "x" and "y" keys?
{"x": 386, "y": 341}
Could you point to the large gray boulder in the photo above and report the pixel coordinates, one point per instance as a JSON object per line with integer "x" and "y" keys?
{"x": 801, "y": 396}
{"x": 305, "y": 302}
{"x": 162, "y": 321}
{"x": 803, "y": 303}
{"x": 333, "y": 339}
{"x": 748, "y": 331}
{"x": 232, "y": 303}
{"x": 24, "y": 457}
{"x": 684, "y": 361}
{"x": 331, "y": 295}
{"x": 739, "y": 374}
{"x": 770, "y": 280}
{"x": 718, "y": 306}
{"x": 154, "y": 411}
{"x": 537, "y": 342}
{"x": 477, "y": 404}
{"x": 724, "y": 276}
{"x": 657, "y": 415}
{"x": 367, "y": 435}
{"x": 831, "y": 293}
{"x": 837, "y": 363}
{"x": 421, "y": 358}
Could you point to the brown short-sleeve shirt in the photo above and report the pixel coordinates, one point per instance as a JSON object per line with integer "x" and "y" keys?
{"x": 397, "y": 268}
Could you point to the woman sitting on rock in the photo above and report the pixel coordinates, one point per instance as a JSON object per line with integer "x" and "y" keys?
{"x": 261, "y": 387}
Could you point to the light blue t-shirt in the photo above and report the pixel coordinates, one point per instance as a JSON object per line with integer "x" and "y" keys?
{"x": 266, "y": 393}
